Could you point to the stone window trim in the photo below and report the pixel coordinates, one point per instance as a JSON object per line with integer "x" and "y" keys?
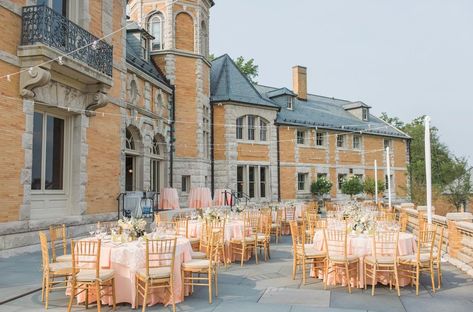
{"x": 303, "y": 182}
{"x": 365, "y": 114}
{"x": 341, "y": 141}
{"x": 186, "y": 184}
{"x": 156, "y": 17}
{"x": 248, "y": 126}
{"x": 257, "y": 182}
{"x": 357, "y": 142}
{"x": 67, "y": 146}
{"x": 324, "y": 139}
{"x": 303, "y": 137}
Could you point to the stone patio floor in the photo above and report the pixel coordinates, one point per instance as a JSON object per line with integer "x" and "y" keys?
{"x": 263, "y": 287}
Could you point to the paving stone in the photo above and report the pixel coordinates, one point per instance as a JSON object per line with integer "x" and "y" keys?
{"x": 316, "y": 298}
{"x": 364, "y": 301}
{"x": 436, "y": 304}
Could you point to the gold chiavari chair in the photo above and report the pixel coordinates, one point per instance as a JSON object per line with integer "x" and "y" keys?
{"x": 386, "y": 216}
{"x": 219, "y": 225}
{"x": 305, "y": 255}
{"x": 169, "y": 226}
{"x": 276, "y": 226}
{"x": 311, "y": 208}
{"x": 383, "y": 259}
{"x": 403, "y": 220}
{"x": 437, "y": 257}
{"x": 310, "y": 223}
{"x": 182, "y": 224}
{"x": 204, "y": 242}
{"x": 338, "y": 257}
{"x": 159, "y": 271}
{"x": 246, "y": 244}
{"x": 51, "y": 271}
{"x": 58, "y": 236}
{"x": 208, "y": 267}
{"x": 264, "y": 236}
{"x": 330, "y": 207}
{"x": 87, "y": 274}
{"x": 289, "y": 215}
{"x": 413, "y": 265}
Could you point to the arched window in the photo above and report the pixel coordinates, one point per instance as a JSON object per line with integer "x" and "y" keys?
{"x": 132, "y": 159}
{"x": 157, "y": 163}
{"x": 204, "y": 39}
{"x": 130, "y": 141}
{"x": 247, "y": 128}
{"x": 155, "y": 28}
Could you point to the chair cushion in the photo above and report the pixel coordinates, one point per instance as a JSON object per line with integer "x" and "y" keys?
{"x": 312, "y": 252}
{"x": 60, "y": 267}
{"x": 156, "y": 272}
{"x": 194, "y": 240}
{"x": 198, "y": 255}
{"x": 340, "y": 258}
{"x": 86, "y": 275}
{"x": 248, "y": 239}
{"x": 196, "y": 264}
{"x": 64, "y": 258}
{"x": 261, "y": 237}
{"x": 413, "y": 258}
{"x": 275, "y": 225}
{"x": 380, "y": 260}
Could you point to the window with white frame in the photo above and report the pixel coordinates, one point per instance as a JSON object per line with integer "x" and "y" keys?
{"x": 144, "y": 47}
{"x": 263, "y": 130}
{"x": 251, "y": 127}
{"x": 156, "y": 163}
{"x": 253, "y": 180}
{"x": 48, "y": 152}
{"x": 155, "y": 28}
{"x": 186, "y": 183}
{"x": 290, "y": 102}
{"x": 365, "y": 113}
{"x": 320, "y": 138}
{"x": 356, "y": 142}
{"x": 341, "y": 140}
{"x": 302, "y": 181}
{"x": 131, "y": 162}
{"x": 341, "y": 178}
{"x": 301, "y": 139}
{"x": 388, "y": 143}
{"x": 239, "y": 128}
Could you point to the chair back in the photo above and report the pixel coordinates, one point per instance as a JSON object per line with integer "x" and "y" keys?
{"x": 440, "y": 243}
{"x": 290, "y": 213}
{"x": 169, "y": 226}
{"x": 216, "y": 239}
{"x": 298, "y": 238}
{"x": 279, "y": 216}
{"x": 265, "y": 225}
{"x": 426, "y": 239}
{"x": 386, "y": 216}
{"x": 336, "y": 242}
{"x": 44, "y": 250}
{"x": 86, "y": 255}
{"x": 58, "y": 236}
{"x": 182, "y": 226}
{"x": 385, "y": 244}
{"x": 403, "y": 219}
{"x": 160, "y": 253}
{"x": 205, "y": 231}
{"x": 253, "y": 220}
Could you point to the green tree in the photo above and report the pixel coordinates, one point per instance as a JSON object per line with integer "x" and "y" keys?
{"x": 459, "y": 191}
{"x": 352, "y": 186}
{"x": 446, "y": 168}
{"x": 321, "y": 187}
{"x": 369, "y": 187}
{"x": 247, "y": 67}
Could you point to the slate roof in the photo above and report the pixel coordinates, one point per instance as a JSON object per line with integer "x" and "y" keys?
{"x": 329, "y": 113}
{"x": 279, "y": 92}
{"x": 228, "y": 84}
{"x": 147, "y": 67}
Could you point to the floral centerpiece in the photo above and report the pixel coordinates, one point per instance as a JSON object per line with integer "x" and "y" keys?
{"x": 214, "y": 213}
{"x": 135, "y": 227}
{"x": 362, "y": 220}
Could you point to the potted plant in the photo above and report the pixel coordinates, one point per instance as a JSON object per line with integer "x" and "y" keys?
{"x": 319, "y": 188}
{"x": 352, "y": 186}
{"x": 369, "y": 187}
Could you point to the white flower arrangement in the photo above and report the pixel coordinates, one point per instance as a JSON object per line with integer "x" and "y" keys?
{"x": 136, "y": 227}
{"x": 214, "y": 213}
{"x": 362, "y": 220}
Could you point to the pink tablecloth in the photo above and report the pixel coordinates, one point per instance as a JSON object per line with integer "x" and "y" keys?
{"x": 361, "y": 245}
{"x": 200, "y": 197}
{"x": 219, "y": 197}
{"x": 168, "y": 199}
{"x": 126, "y": 259}
{"x": 233, "y": 230}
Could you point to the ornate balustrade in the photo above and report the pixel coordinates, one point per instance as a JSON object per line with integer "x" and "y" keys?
{"x": 41, "y": 24}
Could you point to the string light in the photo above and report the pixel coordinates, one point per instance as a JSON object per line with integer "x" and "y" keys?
{"x": 60, "y": 61}
{"x": 94, "y": 45}
{"x": 8, "y": 78}
{"x": 30, "y": 71}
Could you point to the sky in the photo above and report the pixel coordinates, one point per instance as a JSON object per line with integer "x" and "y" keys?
{"x": 404, "y": 57}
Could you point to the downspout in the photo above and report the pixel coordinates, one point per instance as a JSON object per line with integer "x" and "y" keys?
{"x": 173, "y": 138}
{"x": 212, "y": 159}
{"x": 279, "y": 164}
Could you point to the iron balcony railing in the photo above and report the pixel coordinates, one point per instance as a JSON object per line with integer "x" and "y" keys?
{"x": 41, "y": 24}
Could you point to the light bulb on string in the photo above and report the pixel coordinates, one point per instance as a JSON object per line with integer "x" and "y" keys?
{"x": 60, "y": 61}
{"x": 8, "y": 78}
{"x": 30, "y": 71}
{"x": 94, "y": 45}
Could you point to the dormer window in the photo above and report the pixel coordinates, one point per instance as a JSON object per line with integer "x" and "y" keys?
{"x": 365, "y": 113}
{"x": 290, "y": 102}
{"x": 144, "y": 48}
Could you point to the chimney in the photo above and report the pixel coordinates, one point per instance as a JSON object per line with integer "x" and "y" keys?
{"x": 299, "y": 82}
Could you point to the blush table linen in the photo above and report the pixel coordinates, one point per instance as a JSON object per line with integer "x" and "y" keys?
{"x": 126, "y": 259}
{"x": 219, "y": 197}
{"x": 200, "y": 197}
{"x": 168, "y": 199}
{"x": 361, "y": 246}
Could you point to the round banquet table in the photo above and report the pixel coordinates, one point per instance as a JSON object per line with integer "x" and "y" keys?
{"x": 168, "y": 198}
{"x": 200, "y": 197}
{"x": 127, "y": 258}
{"x": 219, "y": 197}
{"x": 361, "y": 245}
{"x": 233, "y": 230}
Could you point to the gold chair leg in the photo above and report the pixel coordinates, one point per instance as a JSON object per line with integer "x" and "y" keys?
{"x": 365, "y": 275}
{"x": 439, "y": 275}
{"x": 87, "y": 296}
{"x": 242, "y": 254}
{"x": 145, "y": 296}
{"x": 303, "y": 271}
{"x": 417, "y": 280}
{"x": 172, "y": 295}
{"x": 432, "y": 276}
{"x": 43, "y": 286}
{"x": 114, "y": 299}
{"x": 216, "y": 283}
{"x": 73, "y": 294}
{"x": 348, "y": 277}
{"x": 373, "y": 280}
{"x": 97, "y": 293}
{"x": 210, "y": 286}
{"x": 396, "y": 277}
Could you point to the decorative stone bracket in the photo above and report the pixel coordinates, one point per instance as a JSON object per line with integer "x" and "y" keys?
{"x": 33, "y": 78}
{"x": 99, "y": 100}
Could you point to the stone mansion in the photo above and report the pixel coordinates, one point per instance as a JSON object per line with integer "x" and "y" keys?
{"x": 102, "y": 97}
